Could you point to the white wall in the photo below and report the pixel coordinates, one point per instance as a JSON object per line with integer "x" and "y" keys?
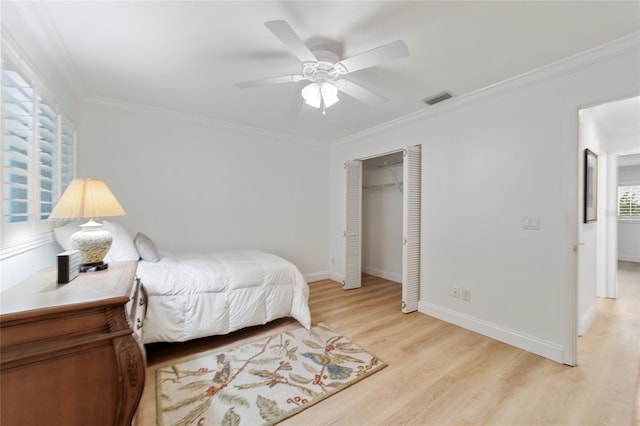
{"x": 14, "y": 269}
{"x": 629, "y": 175}
{"x": 194, "y": 186}
{"x": 629, "y": 241}
{"x": 382, "y": 223}
{"x": 629, "y": 230}
{"x": 512, "y": 151}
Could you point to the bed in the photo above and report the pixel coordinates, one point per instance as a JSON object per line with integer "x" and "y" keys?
{"x": 197, "y": 295}
{"x": 204, "y": 294}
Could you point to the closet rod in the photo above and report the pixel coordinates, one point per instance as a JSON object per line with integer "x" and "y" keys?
{"x": 390, "y": 164}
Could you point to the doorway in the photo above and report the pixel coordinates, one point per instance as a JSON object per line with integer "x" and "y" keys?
{"x": 628, "y": 204}
{"x": 382, "y": 187}
{"x": 410, "y": 189}
{"x": 612, "y": 131}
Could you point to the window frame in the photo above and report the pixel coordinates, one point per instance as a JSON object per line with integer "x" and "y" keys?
{"x": 635, "y": 194}
{"x": 19, "y": 237}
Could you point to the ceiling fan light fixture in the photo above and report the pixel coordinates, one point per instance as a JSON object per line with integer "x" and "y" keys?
{"x": 311, "y": 94}
{"x": 324, "y": 69}
{"x": 322, "y": 95}
{"x": 329, "y": 94}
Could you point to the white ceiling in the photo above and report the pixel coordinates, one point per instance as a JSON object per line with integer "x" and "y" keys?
{"x": 618, "y": 124}
{"x": 187, "y": 56}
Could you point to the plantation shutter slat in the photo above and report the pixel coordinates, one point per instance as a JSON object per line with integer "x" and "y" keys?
{"x": 17, "y": 146}
{"x": 353, "y": 227}
{"x": 66, "y": 154}
{"x": 48, "y": 155}
{"x": 411, "y": 228}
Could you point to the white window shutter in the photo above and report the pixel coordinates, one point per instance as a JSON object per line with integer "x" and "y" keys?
{"x": 37, "y": 151}
{"x": 17, "y": 146}
{"x": 67, "y": 137}
{"x": 412, "y": 212}
{"x": 353, "y": 226}
{"x": 629, "y": 201}
{"x": 48, "y": 157}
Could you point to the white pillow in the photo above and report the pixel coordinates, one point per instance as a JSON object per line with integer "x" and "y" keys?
{"x": 146, "y": 247}
{"x": 63, "y": 233}
{"x": 122, "y": 247}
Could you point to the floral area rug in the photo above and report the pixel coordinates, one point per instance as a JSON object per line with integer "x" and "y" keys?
{"x": 262, "y": 382}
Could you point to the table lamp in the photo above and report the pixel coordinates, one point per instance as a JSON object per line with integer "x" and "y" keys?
{"x": 88, "y": 199}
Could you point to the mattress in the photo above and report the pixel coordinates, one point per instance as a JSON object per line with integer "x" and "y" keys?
{"x": 197, "y": 295}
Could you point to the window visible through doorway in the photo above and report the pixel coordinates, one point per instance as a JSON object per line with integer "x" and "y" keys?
{"x": 629, "y": 202}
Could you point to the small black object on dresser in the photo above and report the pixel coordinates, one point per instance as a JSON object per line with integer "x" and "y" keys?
{"x": 68, "y": 266}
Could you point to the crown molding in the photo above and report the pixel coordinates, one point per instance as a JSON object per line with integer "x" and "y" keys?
{"x": 41, "y": 26}
{"x": 200, "y": 120}
{"x": 603, "y": 53}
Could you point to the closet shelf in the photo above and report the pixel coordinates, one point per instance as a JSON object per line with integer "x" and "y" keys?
{"x": 385, "y": 185}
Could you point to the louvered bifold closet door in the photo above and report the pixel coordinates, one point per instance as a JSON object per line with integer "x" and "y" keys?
{"x": 412, "y": 212}
{"x": 353, "y": 226}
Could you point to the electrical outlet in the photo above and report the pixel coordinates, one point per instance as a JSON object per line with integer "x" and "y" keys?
{"x": 455, "y": 292}
{"x": 466, "y": 295}
{"x": 531, "y": 223}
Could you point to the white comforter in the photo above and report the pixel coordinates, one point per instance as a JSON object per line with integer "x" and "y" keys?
{"x": 198, "y": 295}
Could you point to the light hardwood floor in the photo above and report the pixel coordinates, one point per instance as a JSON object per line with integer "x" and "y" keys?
{"x": 440, "y": 374}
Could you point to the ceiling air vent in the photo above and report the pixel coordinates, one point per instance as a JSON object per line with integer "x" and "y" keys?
{"x": 442, "y": 96}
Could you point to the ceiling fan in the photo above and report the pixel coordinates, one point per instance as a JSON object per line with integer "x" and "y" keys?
{"x": 326, "y": 71}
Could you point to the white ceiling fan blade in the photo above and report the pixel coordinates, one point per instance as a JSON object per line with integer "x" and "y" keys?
{"x": 385, "y": 53}
{"x": 360, "y": 93}
{"x": 271, "y": 80}
{"x": 285, "y": 33}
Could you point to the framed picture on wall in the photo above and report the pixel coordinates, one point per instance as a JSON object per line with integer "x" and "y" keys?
{"x": 590, "y": 186}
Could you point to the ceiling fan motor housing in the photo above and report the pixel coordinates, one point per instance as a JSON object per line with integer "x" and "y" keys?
{"x": 324, "y": 68}
{"x": 324, "y": 54}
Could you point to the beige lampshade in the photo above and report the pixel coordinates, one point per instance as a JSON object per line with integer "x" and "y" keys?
{"x": 86, "y": 198}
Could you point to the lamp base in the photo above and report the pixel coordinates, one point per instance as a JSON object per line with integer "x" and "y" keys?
{"x": 93, "y": 242}
{"x": 92, "y": 267}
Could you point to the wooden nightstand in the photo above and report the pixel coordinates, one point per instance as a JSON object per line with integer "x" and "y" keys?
{"x": 68, "y": 355}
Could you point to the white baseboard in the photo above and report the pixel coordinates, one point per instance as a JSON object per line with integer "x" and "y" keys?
{"x": 387, "y": 275}
{"x": 515, "y": 338}
{"x": 587, "y": 319}
{"x": 316, "y": 276}
{"x": 334, "y": 276}
{"x": 628, "y": 258}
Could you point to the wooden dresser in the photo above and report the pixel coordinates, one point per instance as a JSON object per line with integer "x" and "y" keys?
{"x": 69, "y": 354}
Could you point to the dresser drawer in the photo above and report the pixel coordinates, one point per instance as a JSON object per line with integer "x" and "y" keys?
{"x": 132, "y": 305}
{"x": 140, "y": 312}
{"x": 137, "y": 311}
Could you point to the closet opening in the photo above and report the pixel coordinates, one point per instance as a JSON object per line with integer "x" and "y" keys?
{"x": 383, "y": 216}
